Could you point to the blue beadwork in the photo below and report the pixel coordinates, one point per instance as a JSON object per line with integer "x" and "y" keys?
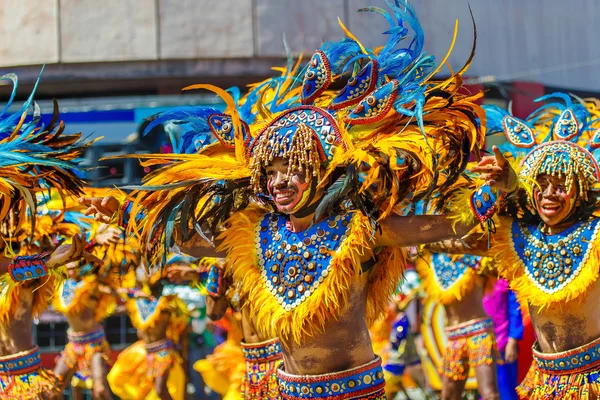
{"x": 566, "y": 127}
{"x": 161, "y": 345}
{"x": 213, "y": 280}
{"x": 316, "y": 78}
{"x": 94, "y": 336}
{"x": 24, "y": 268}
{"x": 262, "y": 351}
{"x": 367, "y": 379}
{"x": 294, "y": 264}
{"x": 376, "y": 105}
{"x": 357, "y": 87}
{"x": 448, "y": 271}
{"x": 551, "y": 262}
{"x": 483, "y": 202}
{"x": 470, "y": 329}
{"x": 22, "y": 362}
{"x": 67, "y": 293}
{"x": 221, "y": 126}
{"x": 324, "y": 125}
{"x": 146, "y": 307}
{"x": 517, "y": 132}
{"x": 587, "y": 356}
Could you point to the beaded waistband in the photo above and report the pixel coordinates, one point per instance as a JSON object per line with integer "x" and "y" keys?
{"x": 262, "y": 352}
{"x": 360, "y": 381}
{"x": 572, "y": 361}
{"x": 93, "y": 336}
{"x": 21, "y": 363}
{"x": 155, "y": 347}
{"x": 470, "y": 328}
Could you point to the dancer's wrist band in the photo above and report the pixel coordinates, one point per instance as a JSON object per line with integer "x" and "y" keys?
{"x": 485, "y": 203}
{"x": 24, "y": 268}
{"x": 125, "y": 213}
{"x": 214, "y": 281}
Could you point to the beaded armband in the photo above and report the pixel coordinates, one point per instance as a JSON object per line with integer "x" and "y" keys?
{"x": 214, "y": 281}
{"x": 485, "y": 203}
{"x": 88, "y": 247}
{"x": 125, "y": 213}
{"x": 24, "y": 268}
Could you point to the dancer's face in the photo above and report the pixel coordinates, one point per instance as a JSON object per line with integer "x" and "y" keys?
{"x": 290, "y": 191}
{"x": 73, "y": 269}
{"x": 553, "y": 202}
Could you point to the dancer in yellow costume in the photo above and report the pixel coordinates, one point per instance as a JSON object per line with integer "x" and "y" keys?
{"x": 152, "y": 368}
{"x": 454, "y": 281}
{"x": 547, "y": 245}
{"x": 261, "y": 356}
{"x": 33, "y": 158}
{"x": 298, "y": 193}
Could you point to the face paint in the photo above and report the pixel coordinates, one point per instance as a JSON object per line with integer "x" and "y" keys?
{"x": 553, "y": 202}
{"x": 291, "y": 191}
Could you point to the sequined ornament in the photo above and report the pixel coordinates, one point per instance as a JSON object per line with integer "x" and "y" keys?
{"x": 448, "y": 270}
{"x": 553, "y": 261}
{"x": 293, "y": 264}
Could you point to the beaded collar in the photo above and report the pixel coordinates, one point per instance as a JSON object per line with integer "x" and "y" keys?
{"x": 69, "y": 288}
{"x": 553, "y": 261}
{"x": 146, "y": 308}
{"x": 293, "y": 265}
{"x": 448, "y": 270}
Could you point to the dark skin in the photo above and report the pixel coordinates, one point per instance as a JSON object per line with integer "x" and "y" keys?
{"x": 468, "y": 308}
{"x": 216, "y": 306}
{"x": 577, "y": 322}
{"x": 16, "y": 335}
{"x": 155, "y": 334}
{"x": 346, "y": 337}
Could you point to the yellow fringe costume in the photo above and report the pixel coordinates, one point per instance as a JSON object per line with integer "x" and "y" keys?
{"x": 224, "y": 371}
{"x": 74, "y": 297}
{"x": 446, "y": 279}
{"x": 35, "y": 158}
{"x": 551, "y": 271}
{"x": 392, "y": 135}
{"x": 133, "y": 375}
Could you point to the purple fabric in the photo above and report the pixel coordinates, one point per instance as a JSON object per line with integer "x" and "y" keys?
{"x": 500, "y": 304}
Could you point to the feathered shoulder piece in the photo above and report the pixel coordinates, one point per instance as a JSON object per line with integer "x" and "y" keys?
{"x": 35, "y": 156}
{"x": 393, "y": 133}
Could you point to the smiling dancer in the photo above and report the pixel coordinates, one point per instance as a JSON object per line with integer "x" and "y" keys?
{"x": 548, "y": 250}
{"x": 300, "y": 198}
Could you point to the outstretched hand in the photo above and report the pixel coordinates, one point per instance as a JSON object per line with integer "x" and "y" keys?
{"x": 181, "y": 273}
{"x": 73, "y": 252}
{"x": 497, "y": 172}
{"x": 107, "y": 235}
{"x": 102, "y": 208}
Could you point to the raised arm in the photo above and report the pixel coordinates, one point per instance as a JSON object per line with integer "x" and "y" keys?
{"x": 474, "y": 243}
{"x": 399, "y": 231}
{"x": 104, "y": 209}
{"x": 423, "y": 229}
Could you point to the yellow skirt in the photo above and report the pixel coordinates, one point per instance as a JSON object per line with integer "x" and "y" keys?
{"x": 223, "y": 370}
{"x": 133, "y": 374}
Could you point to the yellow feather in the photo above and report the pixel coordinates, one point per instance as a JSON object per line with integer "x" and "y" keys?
{"x": 240, "y": 148}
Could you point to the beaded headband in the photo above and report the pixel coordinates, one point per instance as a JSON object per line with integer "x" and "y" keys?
{"x": 554, "y": 140}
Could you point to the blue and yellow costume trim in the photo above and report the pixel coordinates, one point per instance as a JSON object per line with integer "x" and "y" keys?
{"x": 448, "y": 278}
{"x": 137, "y": 367}
{"x": 262, "y": 361}
{"x": 22, "y": 377}
{"x": 570, "y": 375}
{"x": 365, "y": 382}
{"x": 470, "y": 344}
{"x": 320, "y": 274}
{"x": 80, "y": 350}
